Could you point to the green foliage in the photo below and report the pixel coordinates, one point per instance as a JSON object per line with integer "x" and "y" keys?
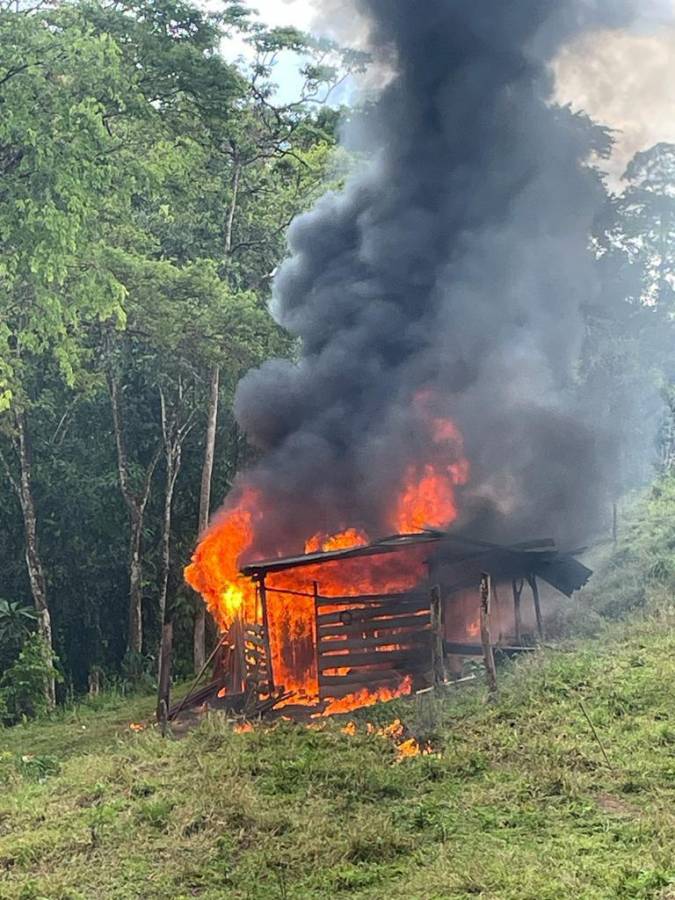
{"x": 640, "y": 573}
{"x": 146, "y": 183}
{"x": 16, "y": 622}
{"x": 23, "y": 686}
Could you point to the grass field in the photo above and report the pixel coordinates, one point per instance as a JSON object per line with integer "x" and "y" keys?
{"x": 517, "y": 801}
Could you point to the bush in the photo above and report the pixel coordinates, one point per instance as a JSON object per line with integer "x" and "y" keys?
{"x": 641, "y": 568}
{"x": 23, "y": 687}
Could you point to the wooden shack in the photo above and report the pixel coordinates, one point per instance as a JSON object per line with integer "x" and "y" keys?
{"x": 318, "y": 646}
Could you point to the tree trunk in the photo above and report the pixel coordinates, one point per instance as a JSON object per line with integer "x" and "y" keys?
{"x": 135, "y": 634}
{"x": 23, "y": 487}
{"x": 199, "y": 635}
{"x": 136, "y": 503}
{"x": 173, "y": 435}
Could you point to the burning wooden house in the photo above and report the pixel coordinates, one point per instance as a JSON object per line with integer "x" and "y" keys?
{"x": 333, "y": 630}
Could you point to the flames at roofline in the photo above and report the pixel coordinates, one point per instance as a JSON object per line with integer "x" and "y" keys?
{"x": 427, "y": 498}
{"x": 344, "y": 623}
{"x": 341, "y": 565}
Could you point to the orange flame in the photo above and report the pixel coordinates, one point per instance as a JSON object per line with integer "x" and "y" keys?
{"x": 427, "y": 498}
{"x": 214, "y": 571}
{"x": 243, "y": 728}
{"x": 366, "y": 697}
{"x": 352, "y": 537}
{"x": 473, "y": 629}
{"x": 406, "y": 747}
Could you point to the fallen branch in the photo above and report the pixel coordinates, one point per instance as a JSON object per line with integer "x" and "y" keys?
{"x": 596, "y": 735}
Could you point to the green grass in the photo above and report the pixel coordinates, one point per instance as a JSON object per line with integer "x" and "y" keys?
{"x": 518, "y": 803}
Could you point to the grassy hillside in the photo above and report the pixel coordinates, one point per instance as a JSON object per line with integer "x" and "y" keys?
{"x": 565, "y": 788}
{"x": 517, "y": 802}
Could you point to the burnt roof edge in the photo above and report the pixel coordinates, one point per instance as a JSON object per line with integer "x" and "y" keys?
{"x": 391, "y": 544}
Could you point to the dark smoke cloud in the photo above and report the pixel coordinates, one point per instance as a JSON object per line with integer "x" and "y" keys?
{"x": 457, "y": 264}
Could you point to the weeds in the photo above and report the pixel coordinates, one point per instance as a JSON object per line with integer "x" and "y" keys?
{"x": 565, "y": 789}
{"x": 520, "y": 803}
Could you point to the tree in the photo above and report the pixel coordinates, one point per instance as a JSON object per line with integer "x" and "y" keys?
{"x": 627, "y": 352}
{"x": 145, "y": 187}
{"x": 54, "y": 162}
{"x": 645, "y": 223}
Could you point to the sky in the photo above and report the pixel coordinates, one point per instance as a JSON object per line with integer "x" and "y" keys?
{"x": 622, "y": 79}
{"x": 300, "y": 13}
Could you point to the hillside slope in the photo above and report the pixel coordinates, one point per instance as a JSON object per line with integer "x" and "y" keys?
{"x": 517, "y": 801}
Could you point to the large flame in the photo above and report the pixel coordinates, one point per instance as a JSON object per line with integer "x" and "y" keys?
{"x": 214, "y": 571}
{"x": 427, "y": 498}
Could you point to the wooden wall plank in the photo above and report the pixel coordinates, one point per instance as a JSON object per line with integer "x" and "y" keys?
{"x": 384, "y": 640}
{"x": 349, "y": 616}
{"x": 367, "y": 599}
{"x": 422, "y": 622}
{"x": 374, "y": 657}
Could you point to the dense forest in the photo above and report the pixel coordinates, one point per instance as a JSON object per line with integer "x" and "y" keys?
{"x": 147, "y": 181}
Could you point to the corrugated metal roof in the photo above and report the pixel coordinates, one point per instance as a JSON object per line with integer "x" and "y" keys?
{"x": 456, "y": 559}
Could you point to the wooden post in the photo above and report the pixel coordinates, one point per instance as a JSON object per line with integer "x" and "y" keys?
{"x": 266, "y": 632}
{"x": 615, "y": 523}
{"x": 164, "y": 679}
{"x": 317, "y": 647}
{"x": 237, "y": 656}
{"x": 438, "y": 672}
{"x": 486, "y": 638}
{"x": 518, "y": 585}
{"x": 537, "y": 606}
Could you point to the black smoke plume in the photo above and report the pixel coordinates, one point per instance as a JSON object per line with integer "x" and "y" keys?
{"x": 454, "y": 269}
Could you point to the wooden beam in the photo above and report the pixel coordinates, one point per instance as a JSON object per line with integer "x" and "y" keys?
{"x": 364, "y": 677}
{"x": 368, "y": 599}
{"x": 518, "y": 585}
{"x": 176, "y": 711}
{"x": 383, "y": 640}
{"x": 457, "y": 648}
{"x": 266, "y": 630}
{"x": 537, "y": 606}
{"x": 486, "y": 638}
{"x": 419, "y": 622}
{"x": 349, "y": 616}
{"x": 438, "y": 672}
{"x": 374, "y": 658}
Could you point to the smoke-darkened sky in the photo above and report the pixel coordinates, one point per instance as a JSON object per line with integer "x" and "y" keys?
{"x": 452, "y": 268}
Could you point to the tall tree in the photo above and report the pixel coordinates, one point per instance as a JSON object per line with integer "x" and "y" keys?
{"x": 54, "y": 161}
{"x": 146, "y": 185}
{"x": 644, "y": 226}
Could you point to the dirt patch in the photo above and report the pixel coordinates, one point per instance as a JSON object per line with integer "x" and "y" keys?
{"x": 616, "y": 806}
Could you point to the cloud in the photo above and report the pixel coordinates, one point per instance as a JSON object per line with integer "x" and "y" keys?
{"x": 623, "y": 79}
{"x": 278, "y": 13}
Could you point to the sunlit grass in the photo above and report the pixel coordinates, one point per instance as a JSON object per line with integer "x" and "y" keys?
{"x": 519, "y": 803}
